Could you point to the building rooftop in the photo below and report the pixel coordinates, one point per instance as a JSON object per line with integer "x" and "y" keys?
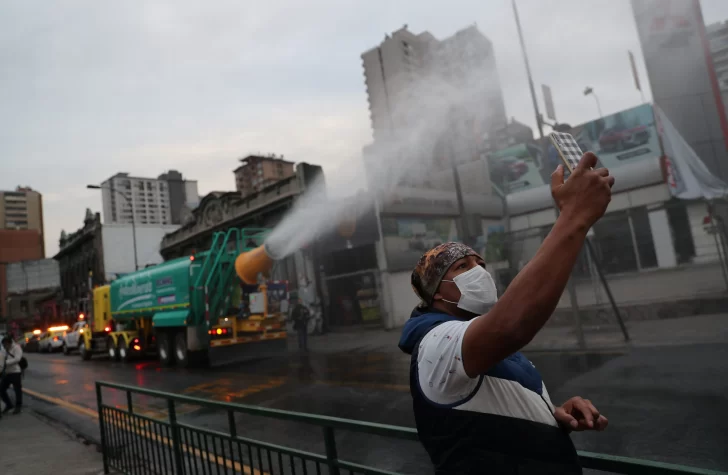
{"x": 256, "y": 157}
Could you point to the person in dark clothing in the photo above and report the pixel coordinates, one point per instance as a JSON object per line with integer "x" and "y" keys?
{"x": 300, "y": 316}
{"x": 10, "y": 356}
{"x": 480, "y": 405}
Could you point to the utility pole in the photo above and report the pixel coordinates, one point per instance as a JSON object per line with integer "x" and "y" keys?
{"x": 528, "y": 70}
{"x": 539, "y": 121}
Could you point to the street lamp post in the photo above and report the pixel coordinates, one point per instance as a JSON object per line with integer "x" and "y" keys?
{"x": 590, "y": 91}
{"x": 133, "y": 224}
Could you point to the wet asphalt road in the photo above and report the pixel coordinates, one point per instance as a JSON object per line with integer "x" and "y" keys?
{"x": 666, "y": 404}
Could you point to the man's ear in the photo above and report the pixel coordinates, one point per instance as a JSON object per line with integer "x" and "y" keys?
{"x": 437, "y": 296}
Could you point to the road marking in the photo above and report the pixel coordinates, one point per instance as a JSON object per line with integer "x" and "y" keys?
{"x": 65, "y": 404}
{"x": 237, "y": 466}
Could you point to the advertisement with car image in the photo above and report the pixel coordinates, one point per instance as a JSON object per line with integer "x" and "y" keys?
{"x": 516, "y": 168}
{"x": 406, "y": 238}
{"x": 625, "y": 137}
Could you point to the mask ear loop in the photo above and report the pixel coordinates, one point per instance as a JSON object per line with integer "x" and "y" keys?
{"x": 450, "y": 301}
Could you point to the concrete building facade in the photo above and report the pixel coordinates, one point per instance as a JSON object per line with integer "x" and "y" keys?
{"x": 409, "y": 72}
{"x": 21, "y": 209}
{"x": 158, "y": 201}
{"x": 256, "y": 172}
{"x": 717, "y": 34}
{"x": 16, "y": 246}
{"x": 98, "y": 253}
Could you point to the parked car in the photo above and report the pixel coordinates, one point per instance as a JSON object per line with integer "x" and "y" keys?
{"x": 31, "y": 345}
{"x": 616, "y": 139}
{"x": 72, "y": 337}
{"x": 52, "y": 340}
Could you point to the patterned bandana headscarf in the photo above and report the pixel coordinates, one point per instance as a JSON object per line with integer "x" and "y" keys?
{"x": 433, "y": 266}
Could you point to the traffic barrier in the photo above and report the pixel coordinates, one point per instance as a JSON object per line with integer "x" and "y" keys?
{"x": 135, "y": 443}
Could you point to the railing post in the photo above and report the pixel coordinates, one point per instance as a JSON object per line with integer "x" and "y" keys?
{"x": 176, "y": 442}
{"x": 331, "y": 456}
{"x": 102, "y": 429}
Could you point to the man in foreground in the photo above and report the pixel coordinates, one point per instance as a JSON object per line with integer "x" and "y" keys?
{"x": 10, "y": 356}
{"x": 480, "y": 405}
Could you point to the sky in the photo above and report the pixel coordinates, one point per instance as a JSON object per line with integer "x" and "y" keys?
{"x": 89, "y": 89}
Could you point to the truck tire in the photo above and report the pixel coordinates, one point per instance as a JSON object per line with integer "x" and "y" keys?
{"x": 164, "y": 347}
{"x": 83, "y": 351}
{"x": 111, "y": 348}
{"x": 123, "y": 349}
{"x": 181, "y": 353}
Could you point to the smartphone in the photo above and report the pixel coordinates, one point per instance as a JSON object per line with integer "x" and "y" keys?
{"x": 568, "y": 149}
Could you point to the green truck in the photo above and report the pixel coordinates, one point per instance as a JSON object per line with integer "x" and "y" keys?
{"x": 194, "y": 309}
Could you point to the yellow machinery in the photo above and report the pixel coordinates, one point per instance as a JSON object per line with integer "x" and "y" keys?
{"x": 92, "y": 338}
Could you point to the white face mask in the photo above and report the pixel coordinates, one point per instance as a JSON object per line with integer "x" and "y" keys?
{"x": 477, "y": 290}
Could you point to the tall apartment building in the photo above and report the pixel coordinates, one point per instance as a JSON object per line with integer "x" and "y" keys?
{"x": 22, "y": 209}
{"x": 256, "y": 172}
{"x": 147, "y": 200}
{"x": 407, "y": 71}
{"x": 717, "y": 34}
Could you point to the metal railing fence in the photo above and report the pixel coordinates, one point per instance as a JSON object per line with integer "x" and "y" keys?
{"x": 134, "y": 442}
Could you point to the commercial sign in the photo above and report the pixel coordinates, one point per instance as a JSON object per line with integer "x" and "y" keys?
{"x": 516, "y": 168}
{"x": 625, "y": 137}
{"x": 406, "y": 239}
{"x": 620, "y": 138}
{"x": 30, "y": 276}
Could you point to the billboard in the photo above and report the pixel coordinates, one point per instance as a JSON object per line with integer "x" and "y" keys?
{"x": 29, "y": 276}
{"x": 406, "y": 239}
{"x": 682, "y": 77}
{"x": 625, "y": 137}
{"x": 517, "y": 168}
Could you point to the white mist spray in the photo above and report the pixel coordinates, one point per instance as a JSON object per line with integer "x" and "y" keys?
{"x": 443, "y": 107}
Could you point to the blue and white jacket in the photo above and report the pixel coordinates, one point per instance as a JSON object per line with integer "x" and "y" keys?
{"x": 500, "y": 422}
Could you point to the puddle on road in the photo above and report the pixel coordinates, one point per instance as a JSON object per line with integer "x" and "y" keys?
{"x": 230, "y": 390}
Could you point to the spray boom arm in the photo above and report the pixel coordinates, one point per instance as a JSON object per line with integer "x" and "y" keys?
{"x": 249, "y": 264}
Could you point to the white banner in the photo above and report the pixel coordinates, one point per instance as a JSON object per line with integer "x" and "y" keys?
{"x": 687, "y": 176}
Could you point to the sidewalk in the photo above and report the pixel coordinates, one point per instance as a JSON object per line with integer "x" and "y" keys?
{"x": 31, "y": 446}
{"x": 666, "y": 332}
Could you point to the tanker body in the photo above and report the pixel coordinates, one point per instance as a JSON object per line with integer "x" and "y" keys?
{"x": 196, "y": 309}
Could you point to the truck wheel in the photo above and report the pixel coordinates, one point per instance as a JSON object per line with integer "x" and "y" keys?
{"x": 164, "y": 347}
{"x": 180, "y": 349}
{"x": 113, "y": 352}
{"x": 85, "y": 354}
{"x": 123, "y": 350}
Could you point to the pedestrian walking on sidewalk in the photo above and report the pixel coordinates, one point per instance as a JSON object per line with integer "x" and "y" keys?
{"x": 480, "y": 405}
{"x": 10, "y": 357}
{"x": 300, "y": 316}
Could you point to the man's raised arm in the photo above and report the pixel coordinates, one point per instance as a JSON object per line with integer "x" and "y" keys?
{"x": 533, "y": 295}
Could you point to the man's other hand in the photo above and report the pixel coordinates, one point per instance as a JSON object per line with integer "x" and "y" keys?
{"x": 580, "y": 414}
{"x": 584, "y": 197}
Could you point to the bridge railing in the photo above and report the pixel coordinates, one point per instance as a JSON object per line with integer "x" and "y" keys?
{"x": 145, "y": 431}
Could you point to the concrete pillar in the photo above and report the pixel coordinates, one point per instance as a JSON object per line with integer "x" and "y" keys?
{"x": 662, "y": 238}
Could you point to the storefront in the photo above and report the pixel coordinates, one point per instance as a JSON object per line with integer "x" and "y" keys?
{"x": 349, "y": 271}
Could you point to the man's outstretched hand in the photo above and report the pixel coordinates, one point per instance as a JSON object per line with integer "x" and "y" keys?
{"x": 580, "y": 414}
{"x": 584, "y": 197}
